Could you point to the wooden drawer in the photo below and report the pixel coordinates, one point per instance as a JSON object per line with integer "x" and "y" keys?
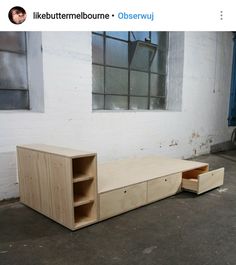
{"x": 163, "y": 187}
{"x": 122, "y": 200}
{"x": 205, "y": 181}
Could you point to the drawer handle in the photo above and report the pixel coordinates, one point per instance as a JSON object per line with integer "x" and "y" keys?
{"x": 165, "y": 179}
{"x": 125, "y": 191}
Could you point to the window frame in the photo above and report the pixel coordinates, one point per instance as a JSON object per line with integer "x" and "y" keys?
{"x": 34, "y": 72}
{"x": 22, "y": 103}
{"x": 129, "y": 95}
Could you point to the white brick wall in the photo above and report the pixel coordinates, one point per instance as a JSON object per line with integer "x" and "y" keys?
{"x": 68, "y": 119}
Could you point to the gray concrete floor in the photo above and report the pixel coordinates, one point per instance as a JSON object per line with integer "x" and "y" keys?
{"x": 183, "y": 229}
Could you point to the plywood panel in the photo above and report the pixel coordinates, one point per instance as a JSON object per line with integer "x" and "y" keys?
{"x": 122, "y": 200}
{"x": 45, "y": 183}
{"x": 164, "y": 187}
{"x": 29, "y": 178}
{"x": 61, "y": 189}
{"x": 22, "y": 173}
{"x": 61, "y": 151}
{"x": 121, "y": 173}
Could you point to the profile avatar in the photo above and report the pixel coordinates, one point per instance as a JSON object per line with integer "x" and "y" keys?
{"x": 17, "y": 15}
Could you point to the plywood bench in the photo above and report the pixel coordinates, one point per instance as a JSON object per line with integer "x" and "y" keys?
{"x": 69, "y": 187}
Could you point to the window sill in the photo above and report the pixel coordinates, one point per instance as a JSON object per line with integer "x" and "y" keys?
{"x": 135, "y": 111}
{"x": 15, "y": 111}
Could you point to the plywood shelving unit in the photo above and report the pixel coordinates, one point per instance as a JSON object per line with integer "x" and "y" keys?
{"x": 59, "y": 183}
{"x": 64, "y": 185}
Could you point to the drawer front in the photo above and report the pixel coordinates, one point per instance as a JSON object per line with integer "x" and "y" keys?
{"x": 122, "y": 200}
{"x": 210, "y": 180}
{"x": 163, "y": 187}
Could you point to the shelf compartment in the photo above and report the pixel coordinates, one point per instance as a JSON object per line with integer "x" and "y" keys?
{"x": 85, "y": 214}
{"x": 84, "y": 166}
{"x": 84, "y": 191}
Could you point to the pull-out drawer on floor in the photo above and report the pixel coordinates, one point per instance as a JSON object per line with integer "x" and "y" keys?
{"x": 199, "y": 183}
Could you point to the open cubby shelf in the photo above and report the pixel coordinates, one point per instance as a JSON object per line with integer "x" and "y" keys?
{"x": 83, "y": 190}
{"x": 83, "y": 167}
{"x": 84, "y": 213}
{"x": 62, "y": 184}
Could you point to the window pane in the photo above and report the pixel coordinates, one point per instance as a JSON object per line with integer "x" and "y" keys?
{"x": 116, "y": 53}
{"x": 118, "y": 34}
{"x": 98, "y": 102}
{"x": 98, "y": 78}
{"x": 12, "y": 41}
{"x": 159, "y": 62}
{"x": 144, "y": 87}
{"x": 157, "y": 85}
{"x": 138, "y": 103}
{"x": 154, "y": 37}
{"x": 14, "y": 99}
{"x": 13, "y": 71}
{"x": 138, "y": 83}
{"x": 154, "y": 64}
{"x": 139, "y": 35}
{"x": 116, "y": 102}
{"x": 116, "y": 81}
{"x": 157, "y": 103}
{"x": 142, "y": 57}
{"x": 97, "y": 43}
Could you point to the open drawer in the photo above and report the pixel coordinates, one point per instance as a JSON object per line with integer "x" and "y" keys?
{"x": 199, "y": 183}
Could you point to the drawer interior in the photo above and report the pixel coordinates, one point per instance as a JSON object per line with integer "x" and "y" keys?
{"x": 194, "y": 173}
{"x": 190, "y": 178}
{"x": 190, "y": 184}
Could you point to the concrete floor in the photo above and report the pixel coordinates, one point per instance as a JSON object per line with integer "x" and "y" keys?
{"x": 183, "y": 229}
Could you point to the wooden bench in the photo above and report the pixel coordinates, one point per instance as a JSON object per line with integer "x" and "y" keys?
{"x": 69, "y": 187}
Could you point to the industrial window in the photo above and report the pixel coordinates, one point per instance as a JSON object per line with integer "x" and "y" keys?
{"x": 14, "y": 91}
{"x": 129, "y": 70}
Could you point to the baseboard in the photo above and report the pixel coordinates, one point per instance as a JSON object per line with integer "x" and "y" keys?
{"x": 10, "y": 200}
{"x": 220, "y": 147}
